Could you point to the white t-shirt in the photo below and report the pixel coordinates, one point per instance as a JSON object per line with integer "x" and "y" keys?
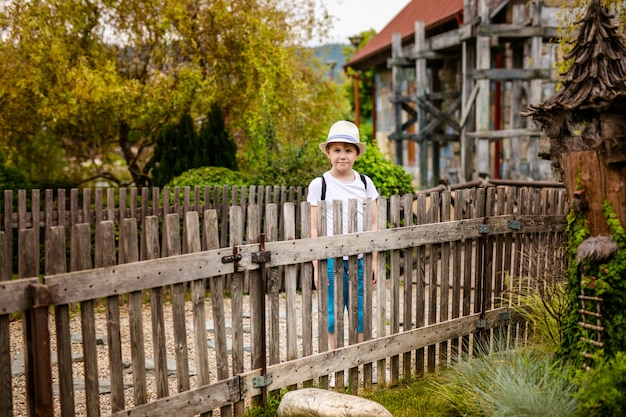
{"x": 340, "y": 190}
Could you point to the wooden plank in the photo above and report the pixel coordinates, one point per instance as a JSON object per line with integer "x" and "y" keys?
{"x": 407, "y": 317}
{"x": 482, "y": 111}
{"x": 505, "y": 30}
{"x": 322, "y": 290}
{"x": 467, "y": 269}
{"x": 198, "y": 296}
{"x": 433, "y": 278}
{"x": 353, "y": 295}
{"x": 6, "y": 381}
{"x": 6, "y": 389}
{"x": 381, "y": 287}
{"x": 81, "y": 249}
{"x": 177, "y": 293}
{"x": 47, "y": 220}
{"x": 165, "y": 210}
{"x": 507, "y": 267}
{"x": 39, "y": 344}
{"x": 120, "y": 220}
{"x": 110, "y": 211}
{"x": 35, "y": 209}
{"x": 205, "y": 398}
{"x": 458, "y": 202}
{"x": 14, "y": 295}
{"x": 122, "y": 214}
{"x": 444, "y": 291}
{"x": 420, "y": 283}
{"x": 86, "y": 209}
{"x": 394, "y": 291}
{"x": 338, "y": 293}
{"x": 105, "y": 245}
{"x": 100, "y": 214}
{"x": 368, "y": 259}
{"x": 7, "y": 267}
{"x": 236, "y": 293}
{"x": 479, "y": 276}
{"x": 21, "y": 210}
{"x": 289, "y": 230}
{"x": 145, "y": 200}
{"x": 190, "y": 403}
{"x": 493, "y": 135}
{"x": 166, "y": 271}
{"x": 26, "y": 267}
{"x": 130, "y": 253}
{"x": 151, "y": 231}
{"x": 510, "y": 74}
{"x": 498, "y": 270}
{"x": 291, "y": 372}
{"x": 57, "y": 264}
{"x": 211, "y": 237}
{"x": 306, "y": 272}
{"x": 223, "y": 211}
{"x": 273, "y": 284}
{"x": 488, "y": 263}
{"x": 258, "y": 340}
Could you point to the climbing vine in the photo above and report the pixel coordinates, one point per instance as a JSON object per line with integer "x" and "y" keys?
{"x": 605, "y": 278}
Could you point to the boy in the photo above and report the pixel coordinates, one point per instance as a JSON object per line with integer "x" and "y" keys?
{"x": 342, "y": 147}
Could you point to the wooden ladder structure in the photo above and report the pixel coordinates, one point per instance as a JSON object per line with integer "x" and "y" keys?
{"x": 591, "y": 322}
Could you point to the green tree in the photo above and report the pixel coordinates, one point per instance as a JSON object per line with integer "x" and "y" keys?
{"x": 174, "y": 152}
{"x": 100, "y": 79}
{"x": 215, "y": 147}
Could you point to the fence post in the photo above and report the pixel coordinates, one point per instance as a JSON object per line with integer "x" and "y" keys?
{"x": 6, "y": 404}
{"x": 36, "y": 332}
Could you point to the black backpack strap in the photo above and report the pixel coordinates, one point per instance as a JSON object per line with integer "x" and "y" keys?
{"x": 324, "y": 185}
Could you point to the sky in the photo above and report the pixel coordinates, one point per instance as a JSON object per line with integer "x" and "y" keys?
{"x": 355, "y": 16}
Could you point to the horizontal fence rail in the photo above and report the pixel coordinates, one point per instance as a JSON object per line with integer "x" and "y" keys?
{"x": 155, "y": 314}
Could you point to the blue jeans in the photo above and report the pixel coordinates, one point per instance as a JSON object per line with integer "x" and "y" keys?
{"x": 346, "y": 297}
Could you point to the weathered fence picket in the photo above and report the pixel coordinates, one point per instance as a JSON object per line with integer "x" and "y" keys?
{"x": 135, "y": 261}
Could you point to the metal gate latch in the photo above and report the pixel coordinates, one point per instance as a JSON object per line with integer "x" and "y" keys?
{"x": 229, "y": 259}
{"x": 261, "y": 381}
{"x": 261, "y": 257}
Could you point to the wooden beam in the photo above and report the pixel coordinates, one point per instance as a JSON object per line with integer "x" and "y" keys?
{"x": 14, "y": 295}
{"x": 121, "y": 279}
{"x": 508, "y": 74}
{"x": 515, "y": 31}
{"x": 500, "y": 134}
{"x": 467, "y": 107}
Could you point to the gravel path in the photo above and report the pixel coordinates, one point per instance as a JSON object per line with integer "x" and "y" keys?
{"x": 17, "y": 353}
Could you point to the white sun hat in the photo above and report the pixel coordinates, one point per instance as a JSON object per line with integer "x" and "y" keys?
{"x": 344, "y": 131}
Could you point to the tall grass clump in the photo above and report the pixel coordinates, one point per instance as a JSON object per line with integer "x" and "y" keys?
{"x": 525, "y": 382}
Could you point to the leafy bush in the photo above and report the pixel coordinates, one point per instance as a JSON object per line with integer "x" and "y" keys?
{"x": 289, "y": 165}
{"x": 206, "y": 176}
{"x": 526, "y": 382}
{"x": 603, "y": 388}
{"x": 388, "y": 177}
{"x": 12, "y": 179}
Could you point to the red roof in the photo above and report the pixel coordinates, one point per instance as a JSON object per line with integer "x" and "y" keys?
{"x": 432, "y": 12}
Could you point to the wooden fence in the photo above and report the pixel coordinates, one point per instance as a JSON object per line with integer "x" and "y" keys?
{"x": 143, "y": 319}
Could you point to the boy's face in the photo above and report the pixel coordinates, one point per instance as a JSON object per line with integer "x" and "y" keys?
{"x": 342, "y": 155}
